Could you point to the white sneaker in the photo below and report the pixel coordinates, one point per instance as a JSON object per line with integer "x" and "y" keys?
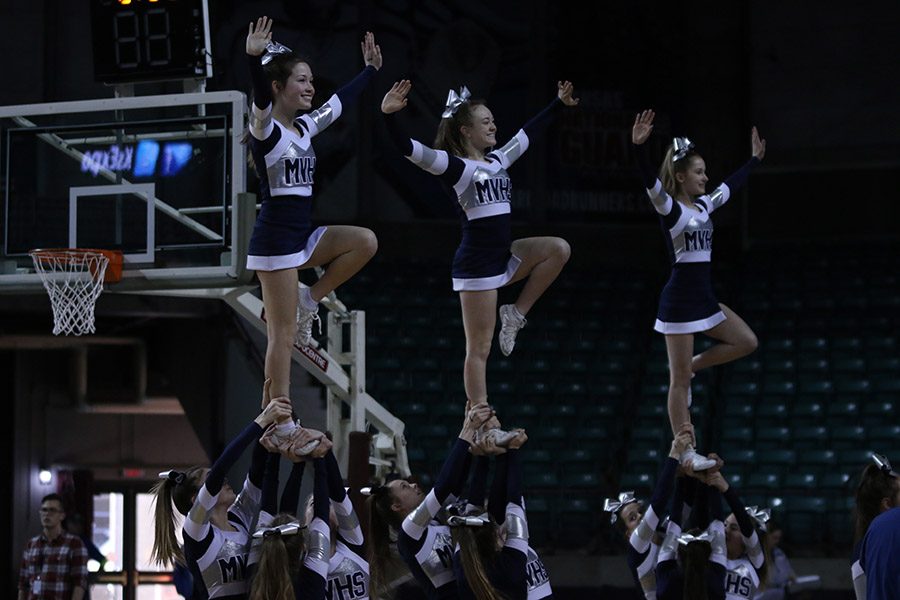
{"x": 697, "y": 462}
{"x": 510, "y": 324}
{"x": 283, "y": 432}
{"x": 501, "y": 438}
{"x": 305, "y": 320}
{"x": 307, "y": 448}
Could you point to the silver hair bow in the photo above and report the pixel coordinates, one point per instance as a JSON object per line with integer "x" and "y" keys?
{"x": 761, "y": 515}
{"x": 884, "y": 464}
{"x": 613, "y": 505}
{"x": 686, "y": 538}
{"x": 286, "y": 529}
{"x": 176, "y": 476}
{"x": 273, "y": 49}
{"x": 682, "y": 146}
{"x": 454, "y": 101}
{"x": 473, "y": 521}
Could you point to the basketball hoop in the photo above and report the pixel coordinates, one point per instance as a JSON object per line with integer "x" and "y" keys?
{"x": 73, "y": 277}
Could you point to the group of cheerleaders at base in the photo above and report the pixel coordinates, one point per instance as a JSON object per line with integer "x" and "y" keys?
{"x": 250, "y": 545}
{"x": 284, "y": 240}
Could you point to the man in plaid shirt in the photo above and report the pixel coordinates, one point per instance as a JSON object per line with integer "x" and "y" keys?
{"x": 54, "y": 566}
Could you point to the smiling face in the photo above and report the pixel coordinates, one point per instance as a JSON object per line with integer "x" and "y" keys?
{"x": 297, "y": 91}
{"x": 482, "y": 132}
{"x": 693, "y": 179}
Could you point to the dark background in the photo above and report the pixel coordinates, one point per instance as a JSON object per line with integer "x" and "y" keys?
{"x": 819, "y": 80}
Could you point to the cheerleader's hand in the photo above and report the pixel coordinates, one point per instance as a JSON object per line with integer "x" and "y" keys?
{"x": 518, "y": 441}
{"x": 758, "y": 145}
{"x": 565, "y": 89}
{"x": 395, "y": 99}
{"x": 643, "y": 125}
{"x": 260, "y": 36}
{"x": 371, "y": 51}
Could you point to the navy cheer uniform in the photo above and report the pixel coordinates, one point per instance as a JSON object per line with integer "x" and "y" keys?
{"x": 284, "y": 237}
{"x": 218, "y": 559}
{"x": 687, "y": 303}
{"x": 309, "y": 580}
{"x": 348, "y": 571}
{"x": 483, "y": 189}
{"x": 669, "y": 574}
{"x": 425, "y": 544}
{"x": 508, "y": 571}
{"x": 642, "y": 552}
{"x": 742, "y": 578}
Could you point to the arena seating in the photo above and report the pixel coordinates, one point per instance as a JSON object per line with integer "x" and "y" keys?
{"x": 795, "y": 421}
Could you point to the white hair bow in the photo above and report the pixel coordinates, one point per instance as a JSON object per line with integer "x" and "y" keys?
{"x": 613, "y": 505}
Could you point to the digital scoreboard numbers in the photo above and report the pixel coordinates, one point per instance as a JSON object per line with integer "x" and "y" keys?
{"x": 148, "y": 40}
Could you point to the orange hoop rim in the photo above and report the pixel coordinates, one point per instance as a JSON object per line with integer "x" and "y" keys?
{"x": 62, "y": 252}
{"x": 114, "y": 259}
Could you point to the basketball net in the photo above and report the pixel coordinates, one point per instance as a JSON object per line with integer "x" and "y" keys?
{"x": 74, "y": 280}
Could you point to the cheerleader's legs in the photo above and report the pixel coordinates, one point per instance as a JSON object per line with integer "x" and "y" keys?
{"x": 736, "y": 337}
{"x": 542, "y": 260}
{"x": 345, "y": 249}
{"x": 680, "y": 349}
{"x": 479, "y": 312}
{"x": 279, "y": 292}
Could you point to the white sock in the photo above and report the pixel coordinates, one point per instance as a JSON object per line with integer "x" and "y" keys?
{"x": 306, "y": 300}
{"x": 517, "y": 313}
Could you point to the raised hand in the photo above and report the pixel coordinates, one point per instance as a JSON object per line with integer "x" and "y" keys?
{"x": 758, "y": 145}
{"x": 564, "y": 91}
{"x": 718, "y": 481}
{"x": 681, "y": 442}
{"x": 267, "y": 442}
{"x": 643, "y": 125}
{"x": 518, "y": 441}
{"x": 486, "y": 445}
{"x": 477, "y": 416}
{"x": 371, "y": 51}
{"x": 279, "y": 409}
{"x": 258, "y": 37}
{"x": 395, "y": 100}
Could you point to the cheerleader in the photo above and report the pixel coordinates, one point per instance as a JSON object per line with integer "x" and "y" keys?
{"x": 692, "y": 565}
{"x": 878, "y": 491}
{"x": 487, "y": 257}
{"x": 293, "y": 558}
{"x": 537, "y": 579}
{"x": 217, "y": 523}
{"x": 284, "y": 239}
{"x": 348, "y": 571}
{"x": 402, "y": 509}
{"x": 640, "y": 527}
{"x": 746, "y": 561}
{"x": 688, "y": 305}
{"x": 488, "y": 564}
